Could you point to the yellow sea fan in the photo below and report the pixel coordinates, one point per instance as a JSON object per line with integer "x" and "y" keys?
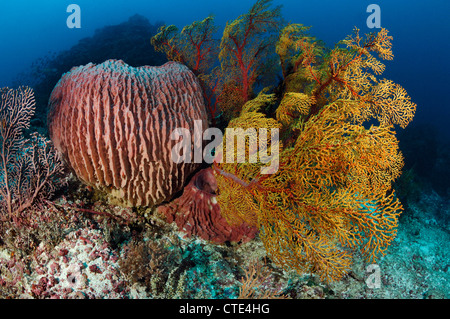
{"x": 238, "y": 168}
{"x": 392, "y": 104}
{"x": 332, "y": 193}
{"x": 292, "y": 106}
{"x": 246, "y": 127}
{"x": 259, "y": 103}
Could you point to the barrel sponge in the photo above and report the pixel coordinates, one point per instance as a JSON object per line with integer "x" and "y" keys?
{"x": 113, "y": 124}
{"x": 197, "y": 213}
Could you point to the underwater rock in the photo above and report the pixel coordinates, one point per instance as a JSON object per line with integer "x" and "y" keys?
{"x": 113, "y": 122}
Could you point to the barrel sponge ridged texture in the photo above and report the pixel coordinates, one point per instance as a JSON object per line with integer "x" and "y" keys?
{"x": 113, "y": 124}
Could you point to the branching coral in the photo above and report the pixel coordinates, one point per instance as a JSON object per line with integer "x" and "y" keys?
{"x": 333, "y": 191}
{"x": 245, "y": 55}
{"x": 144, "y": 262}
{"x": 116, "y": 127}
{"x": 195, "y": 47}
{"x": 257, "y": 283}
{"x": 349, "y": 72}
{"x": 29, "y": 168}
{"x": 246, "y": 43}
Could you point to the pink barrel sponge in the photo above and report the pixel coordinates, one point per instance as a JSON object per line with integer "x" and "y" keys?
{"x": 113, "y": 124}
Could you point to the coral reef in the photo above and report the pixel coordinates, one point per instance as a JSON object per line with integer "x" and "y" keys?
{"x": 113, "y": 123}
{"x": 310, "y": 228}
{"x": 332, "y": 193}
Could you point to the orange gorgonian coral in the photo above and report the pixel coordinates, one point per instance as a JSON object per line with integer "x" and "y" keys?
{"x": 333, "y": 192}
{"x": 338, "y": 154}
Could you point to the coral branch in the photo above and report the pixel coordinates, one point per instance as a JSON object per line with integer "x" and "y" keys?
{"x": 245, "y": 45}
{"x": 30, "y": 170}
{"x": 332, "y": 192}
